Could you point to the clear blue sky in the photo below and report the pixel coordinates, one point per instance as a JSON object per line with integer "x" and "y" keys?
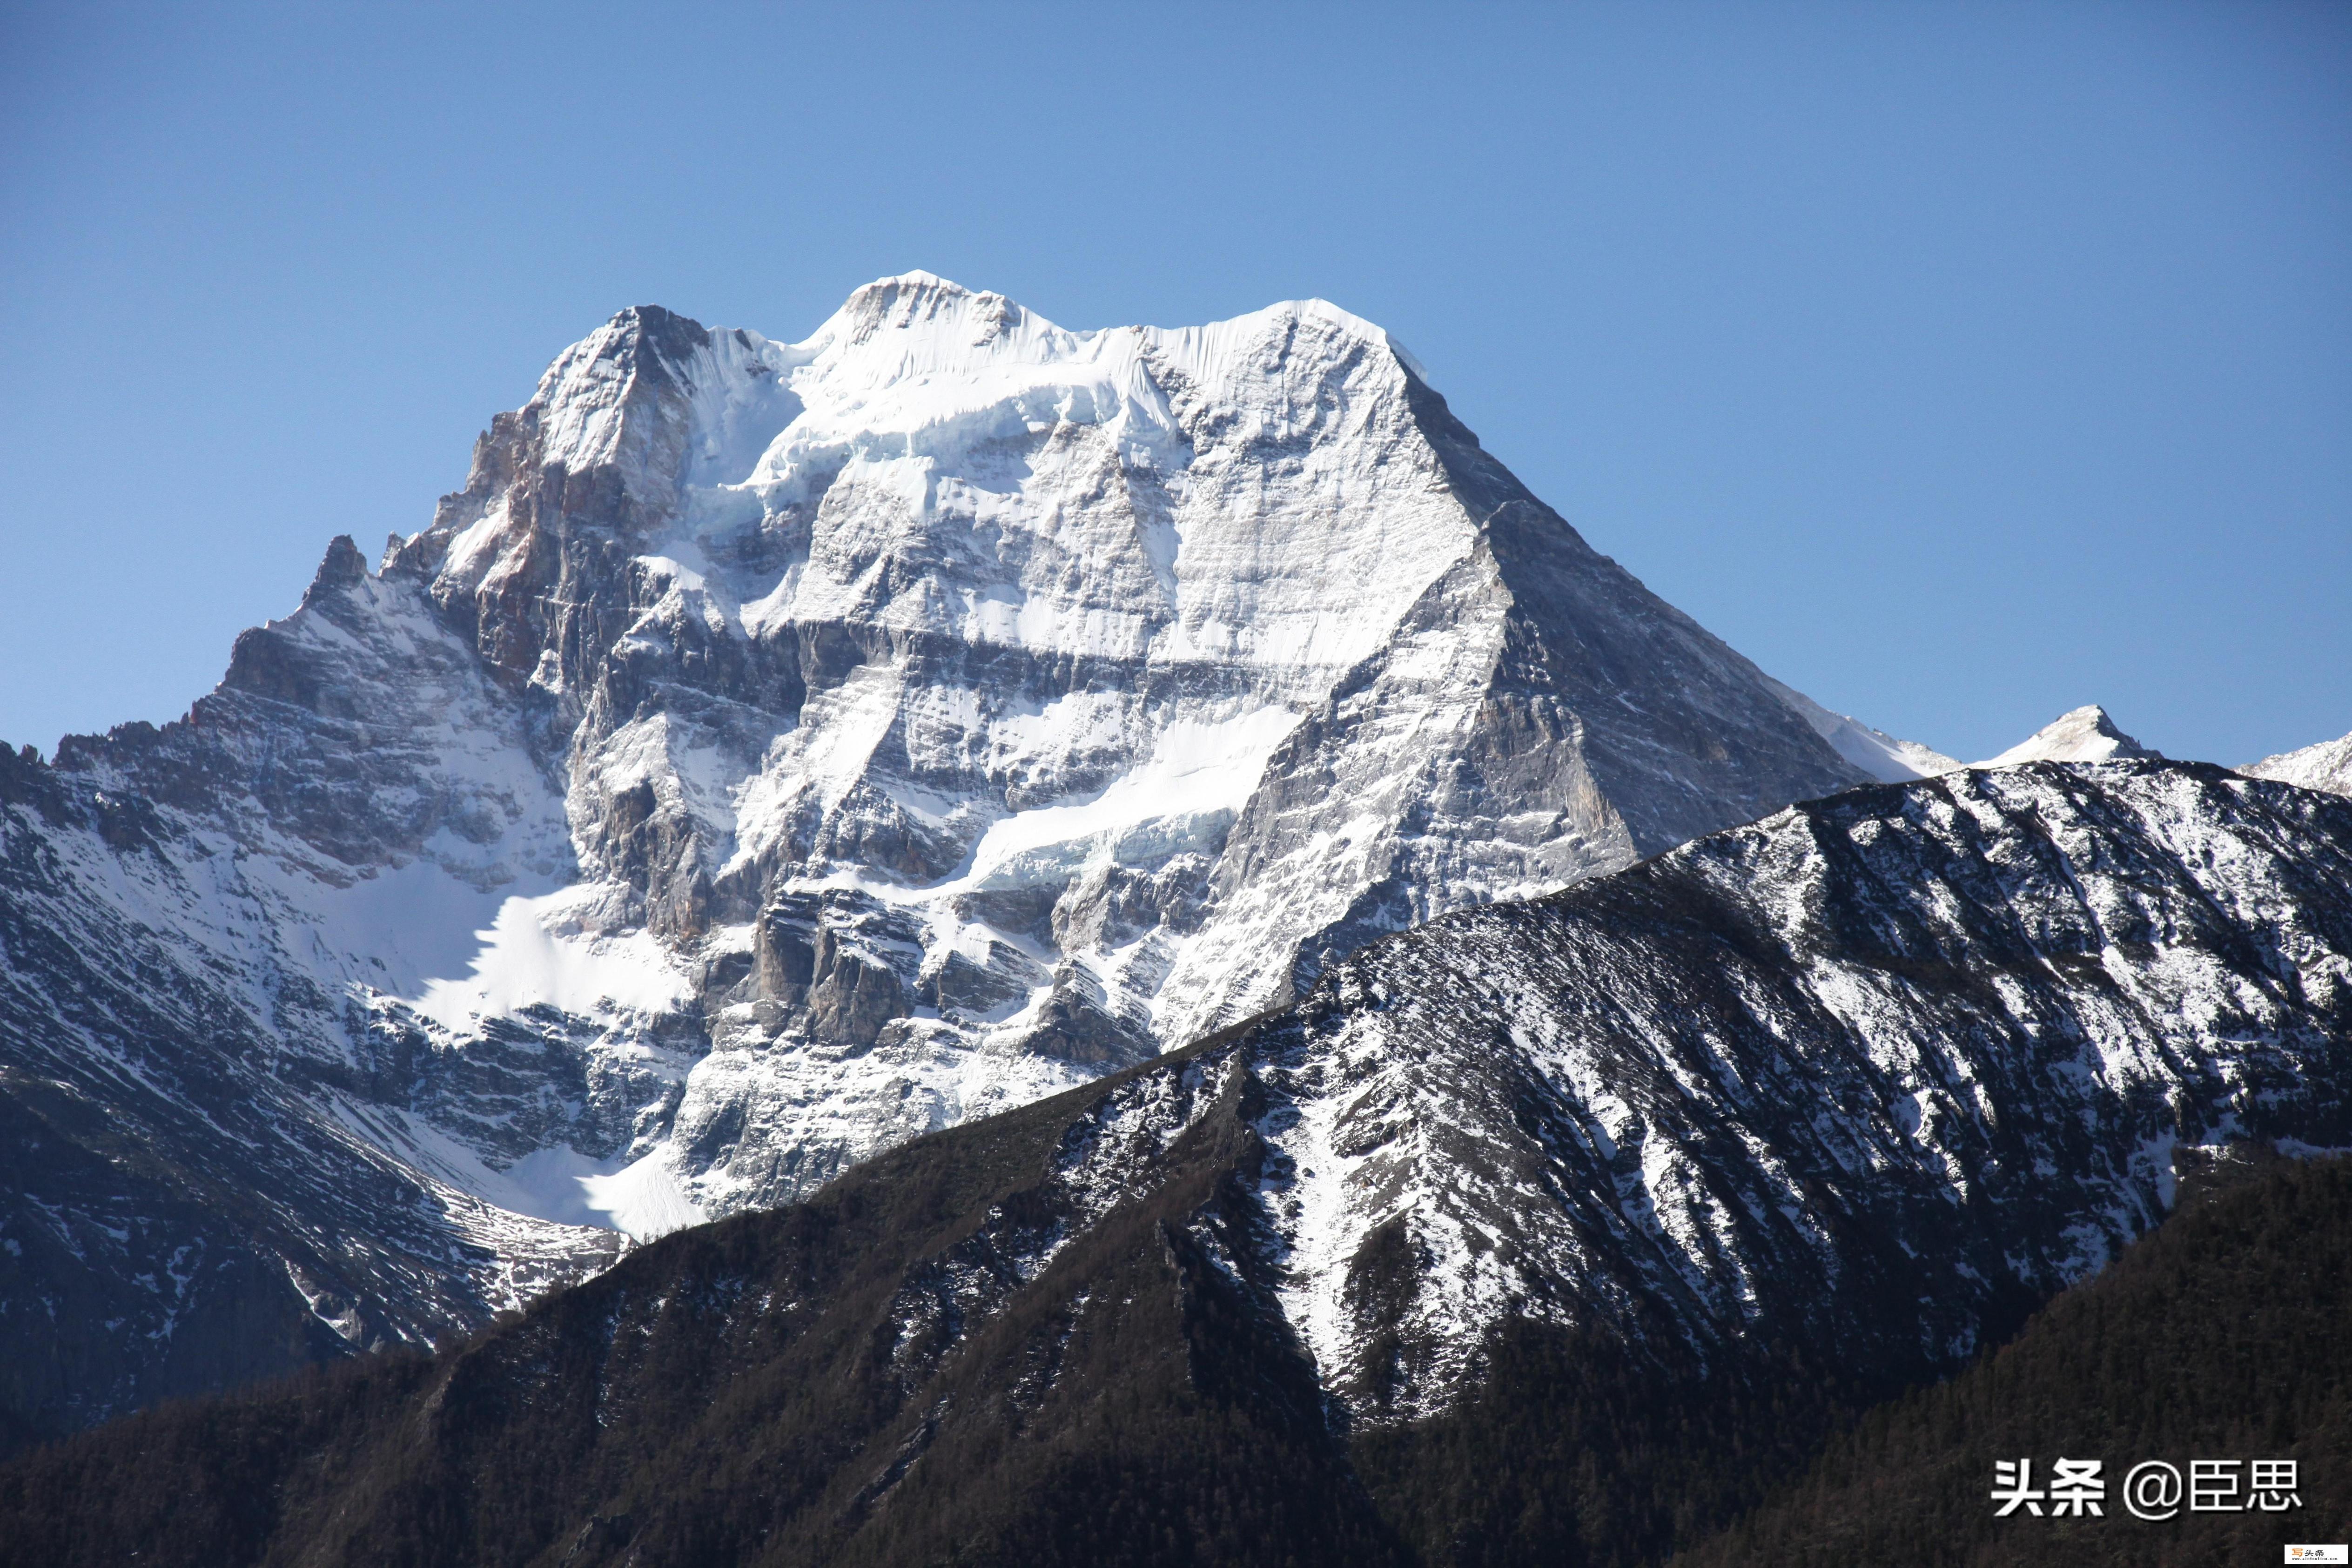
{"x": 1959, "y": 364}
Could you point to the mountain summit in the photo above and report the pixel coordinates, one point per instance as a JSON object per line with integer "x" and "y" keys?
{"x": 776, "y": 751}
{"x": 2085, "y": 735}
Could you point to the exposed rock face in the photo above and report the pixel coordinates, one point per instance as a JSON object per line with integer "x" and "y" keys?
{"x": 833, "y": 741}
{"x": 1022, "y": 703}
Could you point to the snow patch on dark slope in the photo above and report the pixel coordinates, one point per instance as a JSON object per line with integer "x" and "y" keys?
{"x": 1862, "y": 1075}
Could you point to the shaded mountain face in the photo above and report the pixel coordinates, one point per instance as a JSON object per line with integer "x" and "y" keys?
{"x": 775, "y": 751}
{"x": 1546, "y": 1232}
{"x": 197, "y": 1191}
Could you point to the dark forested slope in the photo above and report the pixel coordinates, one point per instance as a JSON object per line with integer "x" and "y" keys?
{"x": 930, "y": 1362}
{"x": 945, "y": 1357}
{"x": 2226, "y": 1335}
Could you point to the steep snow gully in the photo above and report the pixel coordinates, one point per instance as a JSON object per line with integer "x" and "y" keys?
{"x": 775, "y": 751}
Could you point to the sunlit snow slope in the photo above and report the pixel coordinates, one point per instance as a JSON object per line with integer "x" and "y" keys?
{"x": 2085, "y": 735}
{"x": 2327, "y": 765}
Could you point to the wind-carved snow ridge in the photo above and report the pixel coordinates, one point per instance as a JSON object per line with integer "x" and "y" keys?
{"x": 779, "y": 750}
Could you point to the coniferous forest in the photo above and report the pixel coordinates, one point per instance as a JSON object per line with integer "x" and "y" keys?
{"x": 2224, "y": 1335}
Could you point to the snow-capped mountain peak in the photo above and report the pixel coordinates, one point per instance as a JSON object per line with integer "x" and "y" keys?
{"x": 2085, "y": 735}
{"x": 778, "y": 750}
{"x": 2327, "y": 765}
